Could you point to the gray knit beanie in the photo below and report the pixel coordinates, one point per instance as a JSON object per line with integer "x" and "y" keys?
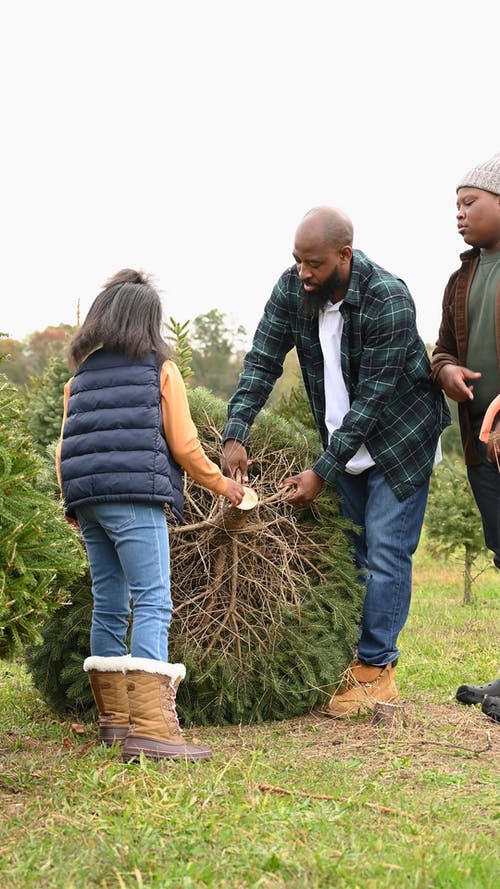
{"x": 485, "y": 176}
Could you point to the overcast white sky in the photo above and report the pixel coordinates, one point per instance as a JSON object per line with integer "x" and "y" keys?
{"x": 189, "y": 138}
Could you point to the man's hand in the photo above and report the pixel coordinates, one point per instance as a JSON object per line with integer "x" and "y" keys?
{"x": 234, "y": 462}
{"x": 453, "y": 379}
{"x": 307, "y": 486}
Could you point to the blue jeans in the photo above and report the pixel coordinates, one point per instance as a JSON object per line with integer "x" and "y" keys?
{"x": 485, "y": 483}
{"x": 390, "y": 531}
{"x": 129, "y": 557}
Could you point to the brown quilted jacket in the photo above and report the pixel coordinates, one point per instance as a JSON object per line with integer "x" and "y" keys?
{"x": 451, "y": 347}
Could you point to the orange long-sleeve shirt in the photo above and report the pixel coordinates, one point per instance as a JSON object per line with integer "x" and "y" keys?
{"x": 180, "y": 432}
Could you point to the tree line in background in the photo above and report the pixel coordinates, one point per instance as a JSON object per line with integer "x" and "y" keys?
{"x": 216, "y": 348}
{"x": 40, "y": 558}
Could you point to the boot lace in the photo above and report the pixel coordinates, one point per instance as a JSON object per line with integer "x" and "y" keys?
{"x": 170, "y": 711}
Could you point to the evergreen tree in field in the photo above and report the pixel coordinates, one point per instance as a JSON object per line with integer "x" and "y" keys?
{"x": 45, "y": 402}
{"x": 40, "y": 555}
{"x": 451, "y": 442}
{"x": 452, "y": 521}
{"x": 217, "y": 352}
{"x": 55, "y": 660}
{"x": 295, "y": 407}
{"x": 178, "y": 335}
{"x": 289, "y": 398}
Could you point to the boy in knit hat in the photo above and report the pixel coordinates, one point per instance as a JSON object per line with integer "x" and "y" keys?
{"x": 466, "y": 361}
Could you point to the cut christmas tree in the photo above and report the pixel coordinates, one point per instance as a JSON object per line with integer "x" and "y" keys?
{"x": 267, "y": 602}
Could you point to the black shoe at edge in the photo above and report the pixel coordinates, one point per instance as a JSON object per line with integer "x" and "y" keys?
{"x": 491, "y": 707}
{"x": 474, "y": 694}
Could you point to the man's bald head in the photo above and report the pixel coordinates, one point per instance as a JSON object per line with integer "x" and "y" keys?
{"x": 328, "y": 225}
{"x": 323, "y": 257}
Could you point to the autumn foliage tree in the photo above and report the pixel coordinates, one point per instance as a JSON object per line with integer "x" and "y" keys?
{"x": 30, "y": 357}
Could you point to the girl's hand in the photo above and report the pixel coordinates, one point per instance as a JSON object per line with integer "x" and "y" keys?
{"x": 72, "y": 522}
{"x": 234, "y": 492}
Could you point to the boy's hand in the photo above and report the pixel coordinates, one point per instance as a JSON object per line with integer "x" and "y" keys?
{"x": 453, "y": 378}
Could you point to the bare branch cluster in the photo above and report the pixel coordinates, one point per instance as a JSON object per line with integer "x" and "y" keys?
{"x": 233, "y": 571}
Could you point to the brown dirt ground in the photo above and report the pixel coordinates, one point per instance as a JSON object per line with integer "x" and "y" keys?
{"x": 438, "y": 737}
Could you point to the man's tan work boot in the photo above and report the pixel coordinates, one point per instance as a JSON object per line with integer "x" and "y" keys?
{"x": 362, "y": 686}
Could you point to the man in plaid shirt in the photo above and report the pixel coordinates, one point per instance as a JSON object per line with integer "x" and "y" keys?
{"x": 366, "y": 374}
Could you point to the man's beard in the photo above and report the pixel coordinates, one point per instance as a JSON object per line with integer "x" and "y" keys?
{"x": 313, "y": 303}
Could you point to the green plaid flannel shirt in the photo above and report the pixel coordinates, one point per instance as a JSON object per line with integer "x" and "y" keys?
{"x": 395, "y": 409}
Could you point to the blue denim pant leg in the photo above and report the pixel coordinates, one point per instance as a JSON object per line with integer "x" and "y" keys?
{"x": 128, "y": 551}
{"x": 390, "y": 531}
{"x": 485, "y": 483}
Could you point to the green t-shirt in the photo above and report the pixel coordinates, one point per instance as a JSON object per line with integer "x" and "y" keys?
{"x": 481, "y": 346}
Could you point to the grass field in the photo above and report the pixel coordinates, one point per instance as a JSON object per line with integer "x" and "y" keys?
{"x": 311, "y": 802}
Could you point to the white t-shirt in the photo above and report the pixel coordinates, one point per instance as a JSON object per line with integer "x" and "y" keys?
{"x": 336, "y": 395}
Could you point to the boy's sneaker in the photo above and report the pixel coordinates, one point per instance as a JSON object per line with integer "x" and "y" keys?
{"x": 474, "y": 694}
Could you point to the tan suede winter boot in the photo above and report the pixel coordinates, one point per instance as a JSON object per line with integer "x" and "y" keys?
{"x": 109, "y": 687}
{"x": 155, "y": 730}
{"x": 362, "y": 686}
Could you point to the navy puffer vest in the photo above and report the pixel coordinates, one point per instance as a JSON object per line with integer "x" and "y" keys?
{"x": 113, "y": 443}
